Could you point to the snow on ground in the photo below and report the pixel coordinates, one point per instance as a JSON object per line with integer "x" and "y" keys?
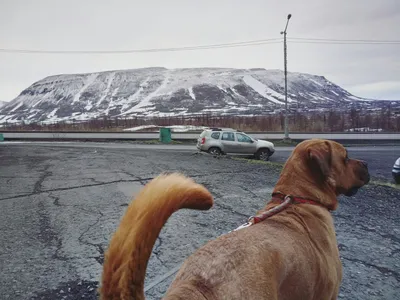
{"x": 191, "y": 93}
{"x": 17, "y": 106}
{"x": 51, "y": 115}
{"x": 364, "y": 129}
{"x": 135, "y": 96}
{"x": 89, "y": 106}
{"x": 264, "y": 90}
{"x": 184, "y": 128}
{"x": 138, "y": 128}
{"x": 132, "y": 92}
{"x": 109, "y": 82}
{"x": 332, "y": 91}
{"x": 258, "y": 87}
{"x": 141, "y": 106}
{"x": 89, "y": 80}
{"x": 271, "y": 92}
{"x": 358, "y": 98}
{"x": 174, "y": 128}
{"x": 316, "y": 82}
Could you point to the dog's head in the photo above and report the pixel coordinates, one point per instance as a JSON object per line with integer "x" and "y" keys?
{"x": 330, "y": 164}
{"x": 326, "y": 166}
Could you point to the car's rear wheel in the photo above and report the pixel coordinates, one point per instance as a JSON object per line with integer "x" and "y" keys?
{"x": 263, "y": 154}
{"x": 215, "y": 151}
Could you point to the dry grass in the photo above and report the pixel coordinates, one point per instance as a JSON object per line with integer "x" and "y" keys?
{"x": 278, "y": 166}
{"x": 385, "y": 184}
{"x": 275, "y": 165}
{"x": 329, "y": 121}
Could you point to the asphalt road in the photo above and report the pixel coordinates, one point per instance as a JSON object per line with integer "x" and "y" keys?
{"x": 380, "y": 158}
{"x": 388, "y": 136}
{"x": 60, "y": 204}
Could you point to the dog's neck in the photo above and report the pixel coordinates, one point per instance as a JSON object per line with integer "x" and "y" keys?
{"x": 281, "y": 197}
{"x": 292, "y": 183}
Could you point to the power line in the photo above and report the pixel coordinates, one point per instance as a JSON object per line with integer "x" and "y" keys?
{"x": 342, "y": 43}
{"x": 211, "y": 46}
{"x": 202, "y": 47}
{"x": 347, "y": 40}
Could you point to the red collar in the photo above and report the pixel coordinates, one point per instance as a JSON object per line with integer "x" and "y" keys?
{"x": 297, "y": 200}
{"x": 286, "y": 201}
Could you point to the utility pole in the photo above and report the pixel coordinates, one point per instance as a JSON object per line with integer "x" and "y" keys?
{"x": 285, "y": 66}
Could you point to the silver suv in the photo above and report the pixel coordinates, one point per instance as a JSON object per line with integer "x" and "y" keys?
{"x": 222, "y": 141}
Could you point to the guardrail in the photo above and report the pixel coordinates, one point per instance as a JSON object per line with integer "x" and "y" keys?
{"x": 37, "y": 135}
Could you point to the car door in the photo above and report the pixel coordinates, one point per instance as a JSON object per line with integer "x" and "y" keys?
{"x": 245, "y": 144}
{"x": 228, "y": 142}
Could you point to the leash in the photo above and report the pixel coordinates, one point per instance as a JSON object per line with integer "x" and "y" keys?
{"x": 287, "y": 200}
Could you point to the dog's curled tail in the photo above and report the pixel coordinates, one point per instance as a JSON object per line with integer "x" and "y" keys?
{"x": 130, "y": 248}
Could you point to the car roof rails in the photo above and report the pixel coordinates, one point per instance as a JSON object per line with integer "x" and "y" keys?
{"x": 223, "y": 129}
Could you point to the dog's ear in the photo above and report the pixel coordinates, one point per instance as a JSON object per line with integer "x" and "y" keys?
{"x": 320, "y": 158}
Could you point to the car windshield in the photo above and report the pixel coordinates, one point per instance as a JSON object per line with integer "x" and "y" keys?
{"x": 243, "y": 138}
{"x": 251, "y": 137}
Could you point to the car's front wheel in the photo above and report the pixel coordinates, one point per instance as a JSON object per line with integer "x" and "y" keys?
{"x": 215, "y": 151}
{"x": 263, "y": 154}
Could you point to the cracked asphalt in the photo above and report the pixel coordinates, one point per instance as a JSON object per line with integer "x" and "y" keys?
{"x": 59, "y": 207}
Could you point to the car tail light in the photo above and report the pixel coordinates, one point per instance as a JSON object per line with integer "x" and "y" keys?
{"x": 203, "y": 140}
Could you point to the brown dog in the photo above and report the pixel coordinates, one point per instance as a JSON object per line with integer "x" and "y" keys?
{"x": 290, "y": 255}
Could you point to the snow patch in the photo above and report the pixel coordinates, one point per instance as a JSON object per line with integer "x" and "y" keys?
{"x": 132, "y": 92}
{"x": 18, "y": 106}
{"x": 174, "y": 128}
{"x": 192, "y": 95}
{"x": 137, "y": 128}
{"x": 107, "y": 90}
{"x": 184, "y": 128}
{"x": 88, "y": 106}
{"x": 89, "y": 80}
{"x": 358, "y": 99}
{"x": 143, "y": 85}
{"x": 364, "y": 129}
{"x": 333, "y": 92}
{"x": 147, "y": 101}
{"x": 265, "y": 91}
{"x": 52, "y": 114}
{"x": 115, "y": 92}
{"x": 316, "y": 82}
{"x": 34, "y": 105}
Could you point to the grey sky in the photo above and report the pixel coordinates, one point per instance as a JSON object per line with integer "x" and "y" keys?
{"x": 365, "y": 70}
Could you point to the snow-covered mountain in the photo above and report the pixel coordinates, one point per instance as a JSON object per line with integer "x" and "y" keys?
{"x": 2, "y": 103}
{"x": 160, "y": 91}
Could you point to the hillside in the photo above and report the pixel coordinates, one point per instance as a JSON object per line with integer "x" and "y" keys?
{"x": 160, "y": 91}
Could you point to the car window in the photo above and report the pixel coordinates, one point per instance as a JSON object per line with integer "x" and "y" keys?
{"x": 228, "y": 136}
{"x": 215, "y": 135}
{"x": 242, "y": 138}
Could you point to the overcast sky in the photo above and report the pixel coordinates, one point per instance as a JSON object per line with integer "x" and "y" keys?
{"x": 365, "y": 70}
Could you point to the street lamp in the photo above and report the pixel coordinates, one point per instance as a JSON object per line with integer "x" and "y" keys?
{"x": 285, "y": 65}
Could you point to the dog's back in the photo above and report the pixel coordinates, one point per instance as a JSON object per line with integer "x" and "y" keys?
{"x": 275, "y": 259}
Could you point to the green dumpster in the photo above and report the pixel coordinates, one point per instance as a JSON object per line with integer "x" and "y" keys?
{"x": 1, "y": 137}
{"x": 165, "y": 135}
